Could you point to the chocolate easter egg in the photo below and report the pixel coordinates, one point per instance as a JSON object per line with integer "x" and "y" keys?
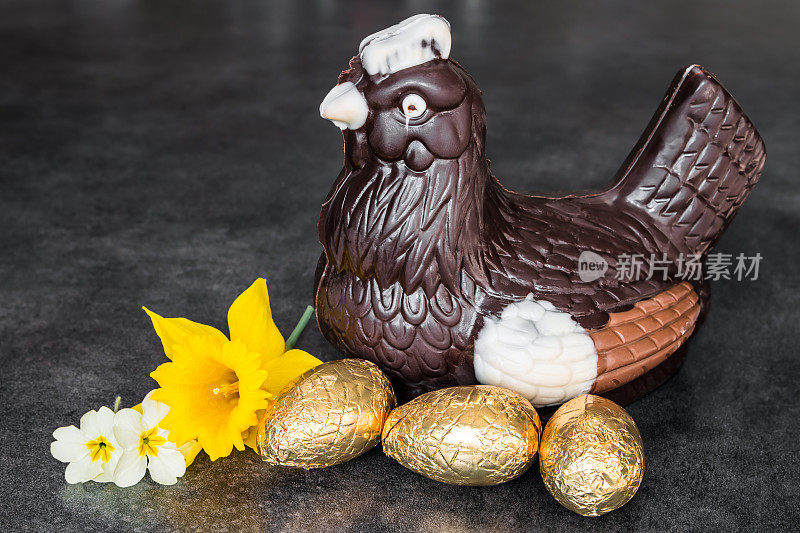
{"x": 331, "y": 414}
{"x": 591, "y": 457}
{"x": 473, "y": 435}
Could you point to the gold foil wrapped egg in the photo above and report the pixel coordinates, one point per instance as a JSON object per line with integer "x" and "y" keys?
{"x": 591, "y": 457}
{"x": 476, "y": 435}
{"x": 329, "y": 415}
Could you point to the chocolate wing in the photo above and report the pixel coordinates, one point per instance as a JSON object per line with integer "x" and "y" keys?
{"x": 693, "y": 167}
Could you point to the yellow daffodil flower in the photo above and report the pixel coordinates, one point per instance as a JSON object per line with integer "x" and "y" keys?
{"x": 217, "y": 387}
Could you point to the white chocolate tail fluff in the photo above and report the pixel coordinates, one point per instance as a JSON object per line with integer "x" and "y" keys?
{"x": 537, "y": 351}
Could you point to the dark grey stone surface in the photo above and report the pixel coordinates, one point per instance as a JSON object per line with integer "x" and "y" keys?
{"x": 167, "y": 153}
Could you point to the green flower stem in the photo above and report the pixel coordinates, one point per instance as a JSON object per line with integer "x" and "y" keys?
{"x": 117, "y": 402}
{"x": 298, "y": 329}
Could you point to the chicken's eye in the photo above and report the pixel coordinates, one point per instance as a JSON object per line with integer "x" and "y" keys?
{"x": 413, "y": 106}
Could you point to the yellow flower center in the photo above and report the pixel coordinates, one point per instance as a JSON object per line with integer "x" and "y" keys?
{"x": 149, "y": 441}
{"x": 100, "y": 448}
{"x": 227, "y": 391}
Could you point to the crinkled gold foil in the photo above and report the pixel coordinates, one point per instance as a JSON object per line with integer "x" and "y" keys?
{"x": 329, "y": 415}
{"x": 591, "y": 456}
{"x": 476, "y": 435}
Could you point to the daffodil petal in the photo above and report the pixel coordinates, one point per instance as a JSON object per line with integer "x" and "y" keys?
{"x": 250, "y": 437}
{"x": 190, "y": 451}
{"x": 68, "y": 451}
{"x": 250, "y": 321}
{"x": 167, "y": 467}
{"x": 285, "y": 368}
{"x": 130, "y": 469}
{"x": 216, "y": 443}
{"x": 173, "y": 331}
{"x": 82, "y": 470}
{"x": 238, "y": 441}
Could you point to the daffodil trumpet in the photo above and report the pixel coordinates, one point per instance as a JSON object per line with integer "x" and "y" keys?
{"x": 218, "y": 387}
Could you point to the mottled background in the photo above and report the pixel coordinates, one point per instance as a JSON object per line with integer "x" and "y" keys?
{"x": 167, "y": 153}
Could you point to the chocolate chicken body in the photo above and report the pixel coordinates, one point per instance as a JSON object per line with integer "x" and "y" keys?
{"x": 442, "y": 277}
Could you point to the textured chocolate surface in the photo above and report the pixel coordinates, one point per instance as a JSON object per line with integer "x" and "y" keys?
{"x": 421, "y": 241}
{"x": 634, "y": 342}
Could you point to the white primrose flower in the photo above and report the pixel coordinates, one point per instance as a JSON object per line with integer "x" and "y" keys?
{"x": 91, "y": 451}
{"x": 145, "y": 446}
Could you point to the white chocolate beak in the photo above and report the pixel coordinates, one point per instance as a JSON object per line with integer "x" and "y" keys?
{"x": 345, "y": 106}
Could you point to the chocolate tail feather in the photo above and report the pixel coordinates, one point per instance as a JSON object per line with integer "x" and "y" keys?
{"x": 636, "y": 341}
{"x": 694, "y": 166}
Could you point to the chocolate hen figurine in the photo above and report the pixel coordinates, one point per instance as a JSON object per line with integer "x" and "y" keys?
{"x": 442, "y": 277}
